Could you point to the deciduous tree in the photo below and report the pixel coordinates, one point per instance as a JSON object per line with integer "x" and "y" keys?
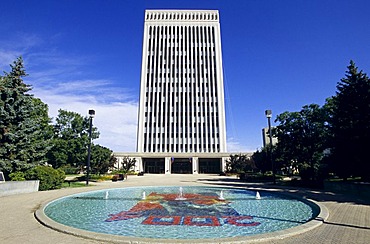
{"x": 102, "y": 159}
{"x": 302, "y": 138}
{"x": 71, "y": 138}
{"x": 128, "y": 163}
{"x": 239, "y": 163}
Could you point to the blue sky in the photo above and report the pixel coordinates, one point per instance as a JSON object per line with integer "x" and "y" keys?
{"x": 277, "y": 55}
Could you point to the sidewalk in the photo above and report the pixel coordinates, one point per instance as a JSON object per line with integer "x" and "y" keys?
{"x": 348, "y": 222}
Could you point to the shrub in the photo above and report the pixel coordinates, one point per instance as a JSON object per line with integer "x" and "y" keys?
{"x": 17, "y": 176}
{"x": 49, "y": 178}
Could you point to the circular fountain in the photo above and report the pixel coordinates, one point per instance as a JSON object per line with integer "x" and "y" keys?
{"x": 185, "y": 213}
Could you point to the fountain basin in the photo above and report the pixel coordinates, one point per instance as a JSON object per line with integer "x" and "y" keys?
{"x": 201, "y": 215}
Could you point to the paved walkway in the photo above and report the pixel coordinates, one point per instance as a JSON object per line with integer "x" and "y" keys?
{"x": 348, "y": 221}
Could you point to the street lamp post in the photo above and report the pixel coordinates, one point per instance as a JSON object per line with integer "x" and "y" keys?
{"x": 91, "y": 116}
{"x": 268, "y": 114}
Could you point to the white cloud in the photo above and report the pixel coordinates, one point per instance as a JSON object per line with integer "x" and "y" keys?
{"x": 15, "y": 45}
{"x": 234, "y": 146}
{"x": 116, "y": 121}
{"x": 60, "y": 80}
{"x": 20, "y": 41}
{"x": 6, "y": 58}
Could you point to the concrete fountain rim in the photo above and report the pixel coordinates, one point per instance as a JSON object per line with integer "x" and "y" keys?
{"x": 276, "y": 235}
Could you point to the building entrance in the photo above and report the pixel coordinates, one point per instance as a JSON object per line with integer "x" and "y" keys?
{"x": 153, "y": 165}
{"x": 209, "y": 165}
{"x": 181, "y": 166}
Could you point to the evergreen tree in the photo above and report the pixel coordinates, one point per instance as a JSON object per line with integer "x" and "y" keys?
{"x": 24, "y": 123}
{"x": 350, "y": 124}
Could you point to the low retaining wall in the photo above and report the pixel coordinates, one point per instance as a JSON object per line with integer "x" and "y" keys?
{"x": 353, "y": 188}
{"x": 18, "y": 187}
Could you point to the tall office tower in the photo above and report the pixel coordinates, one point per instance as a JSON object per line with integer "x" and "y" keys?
{"x": 181, "y": 95}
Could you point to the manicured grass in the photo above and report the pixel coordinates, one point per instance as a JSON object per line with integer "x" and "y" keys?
{"x": 73, "y": 184}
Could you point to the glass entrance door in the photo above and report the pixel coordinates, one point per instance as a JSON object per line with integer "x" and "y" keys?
{"x": 154, "y": 166}
{"x": 181, "y": 166}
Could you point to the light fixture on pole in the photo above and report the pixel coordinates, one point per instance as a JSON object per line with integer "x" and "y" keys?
{"x": 268, "y": 114}
{"x": 91, "y": 116}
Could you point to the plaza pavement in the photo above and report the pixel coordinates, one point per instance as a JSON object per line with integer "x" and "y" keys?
{"x": 348, "y": 220}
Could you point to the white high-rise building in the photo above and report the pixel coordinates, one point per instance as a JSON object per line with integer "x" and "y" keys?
{"x": 181, "y": 127}
{"x": 181, "y": 95}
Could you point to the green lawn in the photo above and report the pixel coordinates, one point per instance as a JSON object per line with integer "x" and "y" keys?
{"x": 73, "y": 184}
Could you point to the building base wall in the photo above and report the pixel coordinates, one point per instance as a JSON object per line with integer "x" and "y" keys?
{"x": 178, "y": 163}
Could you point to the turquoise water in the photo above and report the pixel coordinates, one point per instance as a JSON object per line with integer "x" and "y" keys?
{"x": 157, "y": 212}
